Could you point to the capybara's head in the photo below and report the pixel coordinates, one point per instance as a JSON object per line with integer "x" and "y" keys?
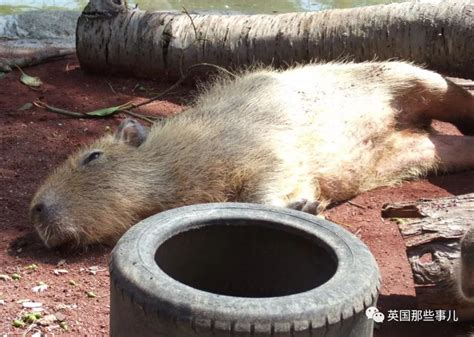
{"x": 96, "y": 195}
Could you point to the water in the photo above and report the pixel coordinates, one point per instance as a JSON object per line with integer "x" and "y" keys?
{"x": 242, "y": 6}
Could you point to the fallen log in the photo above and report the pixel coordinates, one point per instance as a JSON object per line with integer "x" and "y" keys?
{"x": 112, "y": 38}
{"x": 30, "y": 57}
{"x": 432, "y": 230}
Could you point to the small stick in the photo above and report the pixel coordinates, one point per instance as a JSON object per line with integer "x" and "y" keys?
{"x": 192, "y": 22}
{"x": 112, "y": 88}
{"x": 134, "y": 114}
{"x": 76, "y": 114}
{"x": 181, "y": 80}
{"x": 30, "y": 327}
{"x": 356, "y": 204}
{"x": 43, "y": 105}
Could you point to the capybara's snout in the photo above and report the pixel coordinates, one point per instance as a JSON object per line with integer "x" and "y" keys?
{"x": 43, "y": 208}
{"x": 45, "y": 216}
{"x": 41, "y": 213}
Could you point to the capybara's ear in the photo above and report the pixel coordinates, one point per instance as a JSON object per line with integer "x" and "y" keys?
{"x": 131, "y": 132}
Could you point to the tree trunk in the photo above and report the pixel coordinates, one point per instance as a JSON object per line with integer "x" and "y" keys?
{"x": 153, "y": 44}
{"x": 432, "y": 230}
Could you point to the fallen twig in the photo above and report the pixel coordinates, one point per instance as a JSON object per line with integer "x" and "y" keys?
{"x": 128, "y": 106}
{"x": 43, "y": 105}
{"x": 112, "y": 88}
{"x": 356, "y": 204}
{"x": 196, "y": 35}
{"x": 146, "y": 118}
{"x": 28, "y": 329}
{"x": 180, "y": 81}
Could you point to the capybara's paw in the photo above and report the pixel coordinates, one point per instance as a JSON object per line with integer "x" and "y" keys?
{"x": 305, "y": 205}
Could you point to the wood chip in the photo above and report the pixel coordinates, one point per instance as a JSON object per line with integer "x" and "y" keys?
{"x": 60, "y": 316}
{"x": 4, "y": 277}
{"x": 47, "y": 320}
{"x": 32, "y": 305}
{"x": 60, "y": 271}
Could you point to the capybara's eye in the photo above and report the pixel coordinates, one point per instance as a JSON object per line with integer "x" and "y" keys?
{"x": 92, "y": 156}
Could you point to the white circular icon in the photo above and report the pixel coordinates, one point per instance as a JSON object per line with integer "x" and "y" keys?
{"x": 370, "y": 312}
{"x": 378, "y": 317}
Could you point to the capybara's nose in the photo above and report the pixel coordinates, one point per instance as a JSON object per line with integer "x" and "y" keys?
{"x": 39, "y": 208}
{"x": 41, "y": 212}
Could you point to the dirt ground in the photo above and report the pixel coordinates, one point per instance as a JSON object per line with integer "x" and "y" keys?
{"x": 34, "y": 141}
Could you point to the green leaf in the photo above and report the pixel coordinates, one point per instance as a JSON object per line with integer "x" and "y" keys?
{"x": 30, "y": 80}
{"x": 2, "y": 75}
{"x": 18, "y": 323}
{"x": 29, "y": 318}
{"x": 107, "y": 111}
{"x": 25, "y": 106}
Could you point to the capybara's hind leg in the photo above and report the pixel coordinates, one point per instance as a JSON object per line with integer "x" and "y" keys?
{"x": 454, "y": 153}
{"x": 421, "y": 95}
{"x": 417, "y": 154}
{"x": 454, "y": 105}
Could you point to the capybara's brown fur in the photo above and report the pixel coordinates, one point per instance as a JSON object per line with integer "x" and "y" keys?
{"x": 465, "y": 275}
{"x": 310, "y": 135}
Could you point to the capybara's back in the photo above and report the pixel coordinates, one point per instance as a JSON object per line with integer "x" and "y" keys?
{"x": 300, "y": 138}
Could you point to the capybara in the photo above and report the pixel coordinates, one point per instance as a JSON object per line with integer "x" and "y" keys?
{"x": 300, "y": 138}
{"x": 465, "y": 277}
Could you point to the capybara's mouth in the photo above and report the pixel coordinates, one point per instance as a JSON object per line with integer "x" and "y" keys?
{"x": 53, "y": 237}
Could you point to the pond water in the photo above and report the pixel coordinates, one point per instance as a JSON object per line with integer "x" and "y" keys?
{"x": 243, "y": 6}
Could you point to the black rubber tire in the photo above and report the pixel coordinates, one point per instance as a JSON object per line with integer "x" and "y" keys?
{"x": 146, "y": 301}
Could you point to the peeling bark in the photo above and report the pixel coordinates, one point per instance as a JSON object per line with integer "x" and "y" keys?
{"x": 153, "y": 44}
{"x": 432, "y": 230}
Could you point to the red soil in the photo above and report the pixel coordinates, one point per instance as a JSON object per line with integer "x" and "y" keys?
{"x": 34, "y": 141}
